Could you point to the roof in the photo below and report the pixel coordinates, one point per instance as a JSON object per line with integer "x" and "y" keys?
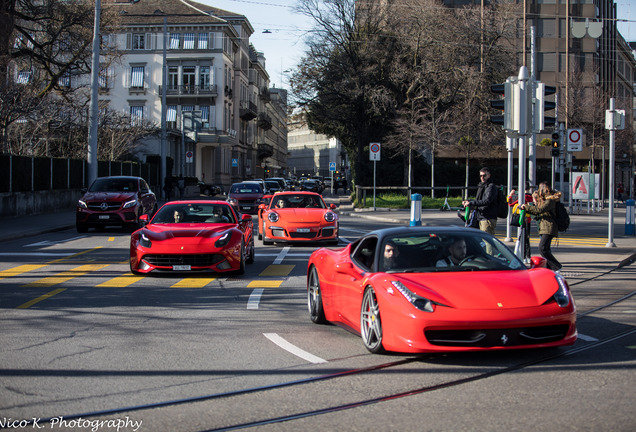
{"x": 148, "y": 12}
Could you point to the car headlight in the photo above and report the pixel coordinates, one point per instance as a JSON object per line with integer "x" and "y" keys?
{"x": 144, "y": 241}
{"x": 273, "y": 217}
{"x": 81, "y": 204}
{"x": 421, "y": 303}
{"x": 330, "y": 216}
{"x": 223, "y": 240}
{"x": 233, "y": 201}
{"x": 130, "y": 203}
{"x": 562, "y": 296}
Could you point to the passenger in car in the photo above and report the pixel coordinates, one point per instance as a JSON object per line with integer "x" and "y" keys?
{"x": 457, "y": 252}
{"x": 178, "y": 216}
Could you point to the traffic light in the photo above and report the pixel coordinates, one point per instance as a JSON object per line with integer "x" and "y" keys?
{"x": 506, "y": 90}
{"x": 556, "y": 145}
{"x": 541, "y": 106}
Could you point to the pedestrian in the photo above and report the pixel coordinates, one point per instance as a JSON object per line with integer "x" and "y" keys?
{"x": 181, "y": 186}
{"x": 167, "y": 187}
{"x": 543, "y": 208}
{"x": 513, "y": 203}
{"x": 620, "y": 192}
{"x": 485, "y": 202}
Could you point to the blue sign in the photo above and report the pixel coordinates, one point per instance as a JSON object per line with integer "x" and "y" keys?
{"x": 234, "y": 162}
{"x": 332, "y": 166}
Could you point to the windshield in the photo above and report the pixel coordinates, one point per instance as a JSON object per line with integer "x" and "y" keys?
{"x": 245, "y": 188}
{"x": 194, "y": 213}
{"x": 298, "y": 201}
{"x": 446, "y": 252}
{"x": 113, "y": 185}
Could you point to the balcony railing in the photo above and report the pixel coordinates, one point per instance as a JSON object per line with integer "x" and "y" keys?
{"x": 194, "y": 90}
{"x": 265, "y": 151}
{"x": 248, "y": 110}
{"x": 264, "y": 121}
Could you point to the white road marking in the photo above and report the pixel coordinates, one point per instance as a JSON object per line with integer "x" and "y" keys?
{"x": 49, "y": 243}
{"x": 52, "y": 254}
{"x": 255, "y": 299}
{"x": 293, "y": 349}
{"x": 281, "y": 256}
{"x": 587, "y": 338}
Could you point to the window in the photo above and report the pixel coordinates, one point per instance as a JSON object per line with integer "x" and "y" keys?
{"x": 138, "y": 41}
{"x": 188, "y": 41}
{"x": 24, "y": 77}
{"x": 136, "y": 115}
{"x": 189, "y": 79}
{"x": 204, "y": 77}
{"x": 137, "y": 77}
{"x": 65, "y": 80}
{"x": 171, "y": 116}
{"x": 205, "y": 116}
{"x": 173, "y": 77}
{"x": 203, "y": 41}
{"x": 174, "y": 40}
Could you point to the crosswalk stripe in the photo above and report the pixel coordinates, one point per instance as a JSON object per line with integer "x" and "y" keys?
{"x": 39, "y": 299}
{"x": 193, "y": 283}
{"x": 15, "y": 271}
{"x": 265, "y": 284}
{"x": 120, "y": 281}
{"x": 277, "y": 270}
{"x": 65, "y": 276}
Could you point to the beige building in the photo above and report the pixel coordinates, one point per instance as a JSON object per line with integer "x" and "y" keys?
{"x": 223, "y": 123}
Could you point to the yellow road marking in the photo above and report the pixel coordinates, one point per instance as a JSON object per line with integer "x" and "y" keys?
{"x": 111, "y": 238}
{"x": 278, "y": 270}
{"x": 15, "y": 271}
{"x": 74, "y": 255}
{"x": 39, "y": 299}
{"x": 120, "y": 281}
{"x": 65, "y": 276}
{"x": 193, "y": 283}
{"x": 265, "y": 284}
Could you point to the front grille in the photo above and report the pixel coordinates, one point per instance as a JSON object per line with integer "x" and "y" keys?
{"x": 97, "y": 205}
{"x": 278, "y": 232}
{"x": 199, "y": 260}
{"x": 497, "y": 337}
{"x": 308, "y": 235}
{"x": 327, "y": 232}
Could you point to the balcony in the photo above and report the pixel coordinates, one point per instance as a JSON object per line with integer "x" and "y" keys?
{"x": 264, "y": 121}
{"x": 248, "y": 110}
{"x": 265, "y": 151}
{"x": 264, "y": 95}
{"x": 190, "y": 90}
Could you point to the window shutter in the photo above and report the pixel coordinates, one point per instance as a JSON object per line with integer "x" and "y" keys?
{"x": 128, "y": 41}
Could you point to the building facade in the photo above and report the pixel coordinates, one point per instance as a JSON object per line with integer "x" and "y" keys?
{"x": 219, "y": 120}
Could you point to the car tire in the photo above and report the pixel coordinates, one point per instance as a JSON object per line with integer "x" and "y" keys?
{"x": 241, "y": 269}
{"x": 266, "y": 241}
{"x": 370, "y": 322}
{"x": 314, "y": 298}
{"x": 81, "y": 228}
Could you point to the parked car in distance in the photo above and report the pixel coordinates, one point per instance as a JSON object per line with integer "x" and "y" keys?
{"x": 246, "y": 196}
{"x": 193, "y": 236}
{"x": 310, "y": 186}
{"x": 281, "y": 182}
{"x": 116, "y": 200}
{"x": 290, "y": 184}
{"x": 272, "y": 186}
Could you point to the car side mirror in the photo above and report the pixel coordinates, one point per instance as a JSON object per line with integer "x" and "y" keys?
{"x": 144, "y": 219}
{"x": 537, "y": 262}
{"x": 332, "y": 206}
{"x": 262, "y": 206}
{"x": 246, "y": 217}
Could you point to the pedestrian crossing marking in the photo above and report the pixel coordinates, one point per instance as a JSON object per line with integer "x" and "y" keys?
{"x": 193, "y": 283}
{"x": 39, "y": 299}
{"x": 277, "y": 270}
{"x": 65, "y": 276}
{"x": 15, "y": 271}
{"x": 265, "y": 284}
{"x": 120, "y": 281}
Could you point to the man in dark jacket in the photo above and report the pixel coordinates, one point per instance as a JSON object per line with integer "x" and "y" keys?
{"x": 485, "y": 202}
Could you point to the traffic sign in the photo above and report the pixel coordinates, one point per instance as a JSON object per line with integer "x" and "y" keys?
{"x": 374, "y": 151}
{"x": 234, "y": 162}
{"x": 575, "y": 140}
{"x": 332, "y": 166}
{"x": 189, "y": 156}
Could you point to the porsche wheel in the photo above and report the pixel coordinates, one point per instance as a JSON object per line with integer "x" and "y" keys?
{"x": 266, "y": 241}
{"x": 314, "y": 298}
{"x": 250, "y": 256}
{"x": 241, "y": 269}
{"x": 370, "y": 323}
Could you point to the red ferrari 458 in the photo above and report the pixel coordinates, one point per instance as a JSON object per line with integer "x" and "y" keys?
{"x": 426, "y": 289}
{"x": 298, "y": 217}
{"x": 190, "y": 236}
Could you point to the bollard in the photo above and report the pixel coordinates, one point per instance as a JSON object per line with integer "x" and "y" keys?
{"x": 629, "y": 217}
{"x": 416, "y": 210}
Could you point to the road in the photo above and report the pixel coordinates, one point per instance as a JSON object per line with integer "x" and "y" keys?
{"x": 85, "y": 340}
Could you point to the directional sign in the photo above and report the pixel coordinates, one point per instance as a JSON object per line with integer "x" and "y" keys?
{"x": 374, "y": 151}
{"x": 575, "y": 140}
{"x": 332, "y": 166}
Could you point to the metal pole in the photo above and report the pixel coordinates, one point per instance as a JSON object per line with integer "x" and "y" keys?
{"x": 509, "y": 147}
{"x": 374, "y": 162}
{"x": 610, "y": 219}
{"x": 93, "y": 121}
{"x": 164, "y": 110}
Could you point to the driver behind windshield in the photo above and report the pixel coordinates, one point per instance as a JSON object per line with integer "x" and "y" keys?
{"x": 457, "y": 252}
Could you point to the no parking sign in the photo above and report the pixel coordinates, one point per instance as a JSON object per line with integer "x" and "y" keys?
{"x": 374, "y": 151}
{"x": 575, "y": 140}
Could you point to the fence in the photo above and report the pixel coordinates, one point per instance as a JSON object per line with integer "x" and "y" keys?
{"x": 31, "y": 185}
{"x": 362, "y": 191}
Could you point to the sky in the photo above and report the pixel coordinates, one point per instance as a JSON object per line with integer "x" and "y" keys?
{"x": 626, "y": 14}
{"x": 283, "y": 46}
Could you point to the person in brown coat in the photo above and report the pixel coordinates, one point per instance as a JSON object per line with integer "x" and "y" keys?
{"x": 544, "y": 209}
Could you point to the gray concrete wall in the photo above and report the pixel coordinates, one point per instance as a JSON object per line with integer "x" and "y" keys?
{"x": 29, "y": 203}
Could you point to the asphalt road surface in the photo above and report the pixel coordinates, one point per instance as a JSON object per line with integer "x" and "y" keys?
{"x": 88, "y": 346}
